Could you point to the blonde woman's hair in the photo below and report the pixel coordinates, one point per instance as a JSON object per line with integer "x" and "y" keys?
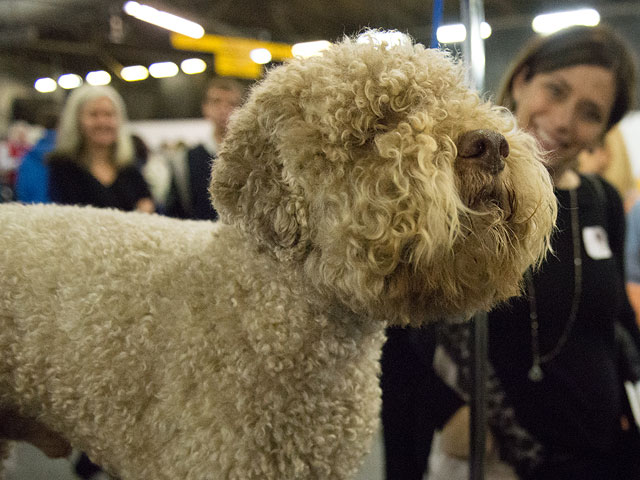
{"x": 70, "y": 141}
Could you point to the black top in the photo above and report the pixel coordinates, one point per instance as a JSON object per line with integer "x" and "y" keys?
{"x": 72, "y": 184}
{"x": 575, "y": 410}
{"x": 198, "y": 206}
{"x": 200, "y": 162}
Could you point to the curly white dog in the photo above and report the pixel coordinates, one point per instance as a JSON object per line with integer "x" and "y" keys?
{"x": 361, "y": 188}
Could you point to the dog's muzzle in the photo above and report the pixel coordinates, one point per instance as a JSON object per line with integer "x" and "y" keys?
{"x": 485, "y": 147}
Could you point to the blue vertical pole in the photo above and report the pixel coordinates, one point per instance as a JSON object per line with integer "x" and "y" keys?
{"x": 436, "y": 21}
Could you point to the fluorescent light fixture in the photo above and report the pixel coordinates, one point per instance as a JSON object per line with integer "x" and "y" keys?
{"x": 45, "y": 85}
{"x": 260, "y": 55}
{"x": 163, "y": 69}
{"x": 552, "y": 22}
{"x": 163, "y": 19}
{"x": 134, "y": 73}
{"x": 69, "y": 81}
{"x": 309, "y": 49}
{"x": 191, "y": 66}
{"x": 98, "y": 77}
{"x": 391, "y": 38}
{"x": 456, "y": 32}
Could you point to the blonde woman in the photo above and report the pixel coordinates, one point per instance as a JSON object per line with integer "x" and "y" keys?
{"x": 93, "y": 162}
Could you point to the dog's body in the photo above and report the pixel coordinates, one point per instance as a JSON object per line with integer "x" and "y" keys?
{"x": 110, "y": 367}
{"x": 355, "y": 191}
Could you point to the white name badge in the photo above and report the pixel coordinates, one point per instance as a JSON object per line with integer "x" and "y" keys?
{"x": 596, "y": 242}
{"x": 633, "y": 394}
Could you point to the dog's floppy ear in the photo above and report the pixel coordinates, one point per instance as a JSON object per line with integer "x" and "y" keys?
{"x": 249, "y": 186}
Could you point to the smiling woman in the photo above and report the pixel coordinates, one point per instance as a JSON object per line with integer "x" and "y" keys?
{"x": 553, "y": 350}
{"x": 99, "y": 123}
{"x": 555, "y": 405}
{"x": 569, "y": 89}
{"x": 568, "y": 109}
{"x": 93, "y": 162}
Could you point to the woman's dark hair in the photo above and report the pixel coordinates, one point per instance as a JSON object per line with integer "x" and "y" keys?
{"x": 572, "y": 46}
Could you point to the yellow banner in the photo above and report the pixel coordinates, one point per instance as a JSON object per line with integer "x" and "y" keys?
{"x": 231, "y": 54}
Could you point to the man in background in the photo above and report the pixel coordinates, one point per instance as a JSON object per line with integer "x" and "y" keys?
{"x": 189, "y": 195}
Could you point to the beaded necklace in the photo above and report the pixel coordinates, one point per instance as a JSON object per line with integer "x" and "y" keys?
{"x": 535, "y": 372}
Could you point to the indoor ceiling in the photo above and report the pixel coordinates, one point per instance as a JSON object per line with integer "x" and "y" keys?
{"x": 47, "y": 38}
{"x": 70, "y": 34}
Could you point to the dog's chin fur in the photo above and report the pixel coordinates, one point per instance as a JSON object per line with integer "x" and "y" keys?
{"x": 359, "y": 183}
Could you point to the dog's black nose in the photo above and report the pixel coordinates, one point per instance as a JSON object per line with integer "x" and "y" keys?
{"x": 488, "y": 147}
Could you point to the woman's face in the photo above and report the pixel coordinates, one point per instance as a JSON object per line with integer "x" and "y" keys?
{"x": 566, "y": 110}
{"x": 99, "y": 122}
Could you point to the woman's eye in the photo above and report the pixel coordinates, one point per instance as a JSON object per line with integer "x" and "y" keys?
{"x": 593, "y": 116}
{"x": 555, "y": 90}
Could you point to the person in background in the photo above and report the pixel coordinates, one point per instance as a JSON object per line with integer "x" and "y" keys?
{"x": 611, "y": 161}
{"x": 632, "y": 259}
{"x": 93, "y": 162}
{"x": 555, "y": 401}
{"x": 19, "y": 141}
{"x": 32, "y": 181}
{"x": 554, "y": 350}
{"x": 155, "y": 170}
{"x": 189, "y": 192}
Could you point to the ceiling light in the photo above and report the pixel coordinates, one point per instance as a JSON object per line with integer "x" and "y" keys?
{"x": 485, "y": 30}
{"x": 308, "y": 49}
{"x": 191, "y": 66}
{"x": 163, "y": 69}
{"x": 69, "y": 81}
{"x": 552, "y": 22}
{"x": 163, "y": 19}
{"x": 456, "y": 32}
{"x": 134, "y": 73}
{"x": 260, "y": 55}
{"x": 98, "y": 77}
{"x": 45, "y": 85}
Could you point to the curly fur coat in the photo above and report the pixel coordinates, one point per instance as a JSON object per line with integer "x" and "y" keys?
{"x": 364, "y": 187}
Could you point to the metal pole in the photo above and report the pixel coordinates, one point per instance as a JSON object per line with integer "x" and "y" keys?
{"x": 478, "y": 420}
{"x": 472, "y": 13}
